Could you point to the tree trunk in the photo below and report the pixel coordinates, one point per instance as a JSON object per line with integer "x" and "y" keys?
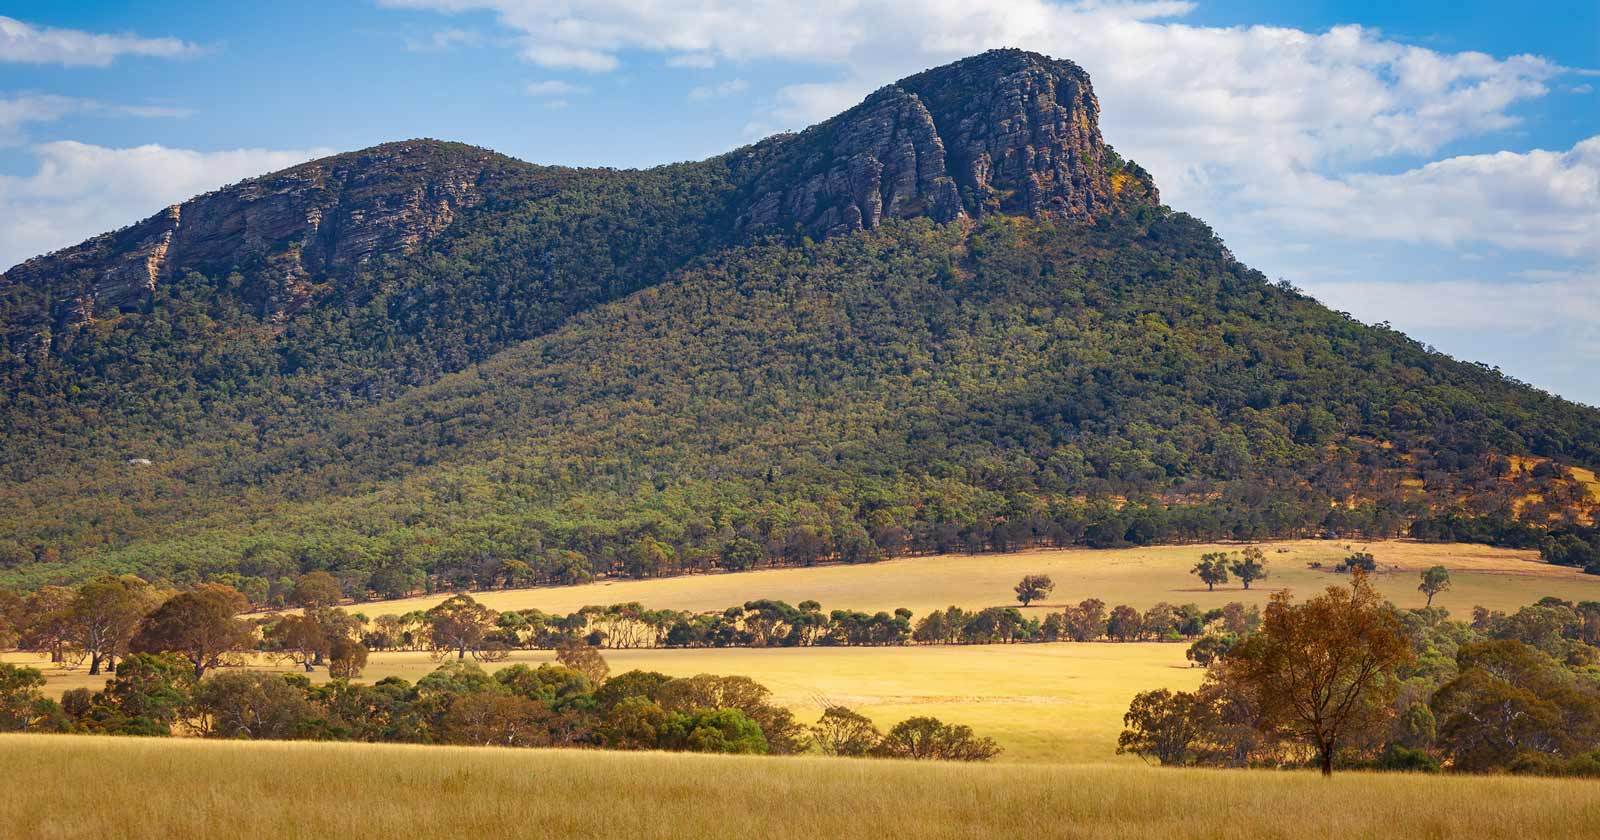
{"x": 94, "y": 665}
{"x": 1327, "y": 759}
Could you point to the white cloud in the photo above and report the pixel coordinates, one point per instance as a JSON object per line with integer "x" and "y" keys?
{"x": 26, "y": 43}
{"x": 552, "y": 87}
{"x": 1466, "y": 304}
{"x": 700, "y": 61}
{"x": 19, "y": 111}
{"x": 444, "y": 40}
{"x": 1208, "y": 109}
{"x": 721, "y": 90}
{"x": 80, "y": 190}
{"x": 1540, "y": 201}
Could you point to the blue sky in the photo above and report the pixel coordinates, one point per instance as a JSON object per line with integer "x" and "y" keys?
{"x": 1432, "y": 164}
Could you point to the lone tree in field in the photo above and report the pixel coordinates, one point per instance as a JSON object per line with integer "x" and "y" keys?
{"x": 1324, "y": 670}
{"x": 1212, "y": 569}
{"x": 459, "y": 624}
{"x": 1435, "y": 579}
{"x": 1033, "y": 588}
{"x": 844, "y": 731}
{"x": 1359, "y": 561}
{"x": 1251, "y": 566}
{"x": 202, "y": 625}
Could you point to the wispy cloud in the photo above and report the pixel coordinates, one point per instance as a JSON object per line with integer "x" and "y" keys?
{"x": 27, "y": 43}
{"x": 444, "y": 40}
{"x": 17, "y": 112}
{"x": 721, "y": 90}
{"x": 552, "y": 88}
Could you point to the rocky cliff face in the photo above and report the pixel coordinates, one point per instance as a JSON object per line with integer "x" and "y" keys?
{"x": 1003, "y": 132}
{"x": 291, "y": 230}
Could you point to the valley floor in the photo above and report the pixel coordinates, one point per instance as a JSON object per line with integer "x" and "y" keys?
{"x": 1044, "y": 703}
{"x": 185, "y": 788}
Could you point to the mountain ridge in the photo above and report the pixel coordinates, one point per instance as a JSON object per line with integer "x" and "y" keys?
{"x": 950, "y": 317}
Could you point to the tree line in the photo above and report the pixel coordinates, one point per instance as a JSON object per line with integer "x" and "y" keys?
{"x": 102, "y": 621}
{"x": 572, "y": 703}
{"x": 1345, "y": 679}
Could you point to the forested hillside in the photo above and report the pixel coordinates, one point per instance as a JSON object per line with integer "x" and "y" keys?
{"x": 950, "y": 318}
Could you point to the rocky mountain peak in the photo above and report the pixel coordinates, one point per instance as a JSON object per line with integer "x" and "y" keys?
{"x": 1006, "y": 131}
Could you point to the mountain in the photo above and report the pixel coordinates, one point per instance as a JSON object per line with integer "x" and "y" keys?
{"x": 951, "y": 317}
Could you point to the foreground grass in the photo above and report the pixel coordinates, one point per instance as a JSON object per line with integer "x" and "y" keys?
{"x": 71, "y": 787}
{"x": 1497, "y": 578}
{"x": 1059, "y": 702}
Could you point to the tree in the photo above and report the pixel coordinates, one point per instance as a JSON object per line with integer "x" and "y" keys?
{"x": 497, "y": 720}
{"x": 346, "y": 658}
{"x": 1209, "y": 649}
{"x": 1251, "y": 566}
{"x": 739, "y": 554}
{"x": 1359, "y": 561}
{"x": 1324, "y": 670}
{"x": 459, "y": 624}
{"x": 1033, "y": 588}
{"x": 784, "y": 735}
{"x": 47, "y": 621}
{"x": 713, "y": 731}
{"x": 253, "y": 704}
{"x": 634, "y": 722}
{"x": 316, "y": 589}
{"x": 19, "y": 695}
{"x": 1125, "y": 623}
{"x": 201, "y": 624}
{"x": 105, "y": 613}
{"x": 929, "y": 738}
{"x": 299, "y": 639}
{"x": 149, "y": 693}
{"x": 1435, "y": 579}
{"x": 1164, "y": 725}
{"x": 1511, "y": 703}
{"x": 1087, "y": 621}
{"x": 585, "y": 659}
{"x": 844, "y": 732}
{"x": 11, "y": 617}
{"x": 1212, "y": 569}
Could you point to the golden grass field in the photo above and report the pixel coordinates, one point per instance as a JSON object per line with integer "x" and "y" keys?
{"x": 89, "y": 787}
{"x": 1493, "y": 577}
{"x": 1043, "y": 703}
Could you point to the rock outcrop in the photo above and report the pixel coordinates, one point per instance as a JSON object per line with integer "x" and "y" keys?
{"x": 1003, "y": 132}
{"x": 291, "y": 230}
